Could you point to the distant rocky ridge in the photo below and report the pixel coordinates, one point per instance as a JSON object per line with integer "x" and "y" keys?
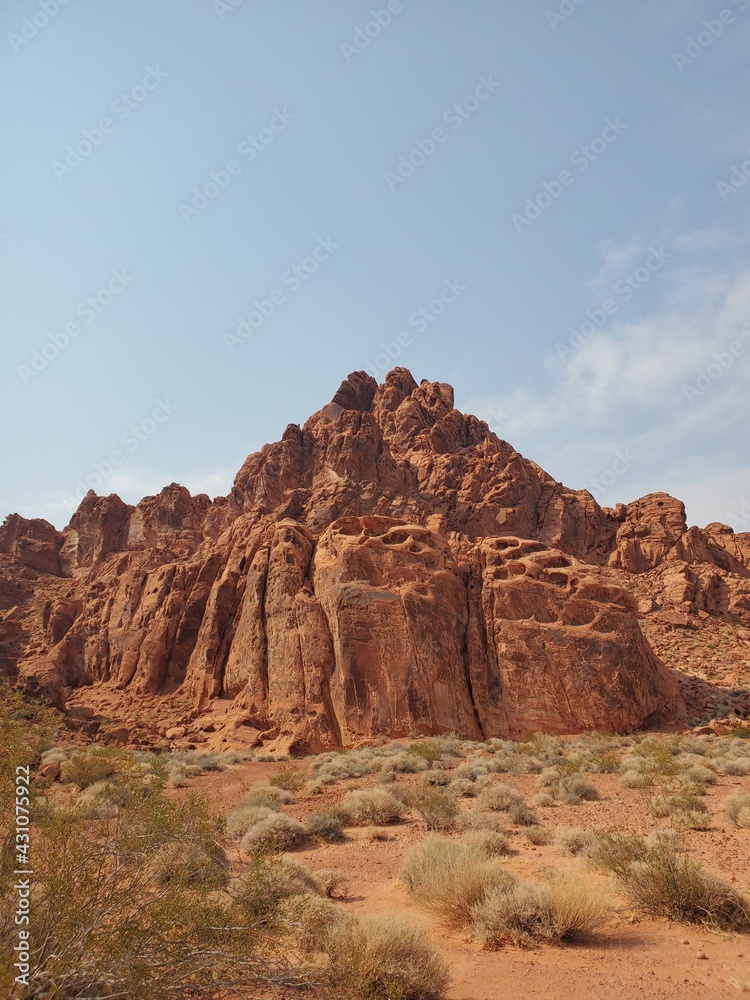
{"x": 391, "y": 568}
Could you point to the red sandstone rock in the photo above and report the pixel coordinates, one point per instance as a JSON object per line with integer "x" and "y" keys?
{"x": 390, "y": 568}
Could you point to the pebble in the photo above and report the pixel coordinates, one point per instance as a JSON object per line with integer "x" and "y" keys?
{"x": 701, "y": 954}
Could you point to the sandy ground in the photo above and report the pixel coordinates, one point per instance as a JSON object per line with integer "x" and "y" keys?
{"x": 631, "y": 957}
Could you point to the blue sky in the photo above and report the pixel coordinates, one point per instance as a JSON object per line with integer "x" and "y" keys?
{"x": 545, "y": 204}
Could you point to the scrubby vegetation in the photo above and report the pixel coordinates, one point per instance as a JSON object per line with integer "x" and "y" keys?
{"x": 142, "y": 890}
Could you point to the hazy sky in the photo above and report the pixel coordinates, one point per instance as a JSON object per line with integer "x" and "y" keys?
{"x": 213, "y": 211}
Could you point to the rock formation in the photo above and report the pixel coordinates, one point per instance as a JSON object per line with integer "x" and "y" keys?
{"x": 391, "y": 568}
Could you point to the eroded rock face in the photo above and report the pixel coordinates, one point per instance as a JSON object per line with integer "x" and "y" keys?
{"x": 390, "y": 568}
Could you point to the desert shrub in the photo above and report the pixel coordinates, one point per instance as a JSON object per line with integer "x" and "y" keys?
{"x": 139, "y": 906}
{"x": 376, "y": 834}
{"x": 634, "y": 779}
{"x": 200, "y": 863}
{"x": 572, "y": 789}
{"x": 737, "y": 809}
{"x": 438, "y": 809}
{"x": 385, "y": 778}
{"x": 662, "y": 881}
{"x": 267, "y": 882}
{"x": 213, "y": 761}
{"x": 103, "y": 799}
{"x": 405, "y": 763}
{"x": 268, "y": 796}
{"x": 493, "y": 843}
{"x": 572, "y": 840}
{"x": 738, "y": 767}
{"x": 371, "y": 806}
{"x": 603, "y": 762}
{"x": 278, "y": 832}
{"x": 241, "y": 819}
{"x": 499, "y": 798}
{"x": 385, "y": 957}
{"x": 84, "y": 767}
{"x": 522, "y": 914}
{"x": 449, "y": 877}
{"x": 536, "y": 835}
{"x": 324, "y": 826}
{"x": 470, "y": 770}
{"x": 428, "y": 750}
{"x": 290, "y": 777}
{"x": 544, "y": 800}
{"x": 333, "y": 882}
{"x": 522, "y": 815}
{"x": 465, "y": 788}
{"x": 437, "y": 777}
{"x": 330, "y": 768}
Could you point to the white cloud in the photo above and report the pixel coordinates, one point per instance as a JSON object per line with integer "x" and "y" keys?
{"x": 627, "y": 387}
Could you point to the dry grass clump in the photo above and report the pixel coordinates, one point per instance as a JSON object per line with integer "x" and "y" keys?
{"x": 684, "y": 808}
{"x": 738, "y": 767}
{"x": 499, "y": 798}
{"x": 572, "y": 789}
{"x": 325, "y": 826}
{"x": 333, "y": 882}
{"x": 737, "y": 809}
{"x": 241, "y": 819}
{"x": 404, "y": 763}
{"x": 85, "y": 767}
{"x": 493, "y": 843}
{"x": 449, "y": 877}
{"x": 385, "y": 957}
{"x": 522, "y": 914}
{"x": 371, "y": 806}
{"x": 332, "y": 767}
{"x": 266, "y": 795}
{"x": 201, "y": 863}
{"x": 573, "y": 841}
{"x": 268, "y": 881}
{"x": 471, "y": 770}
{"x": 438, "y": 809}
{"x": 375, "y": 833}
{"x": 544, "y": 800}
{"x": 290, "y": 777}
{"x": 536, "y": 835}
{"x": 662, "y": 881}
{"x": 437, "y": 777}
{"x": 278, "y": 832}
{"x": 634, "y": 779}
